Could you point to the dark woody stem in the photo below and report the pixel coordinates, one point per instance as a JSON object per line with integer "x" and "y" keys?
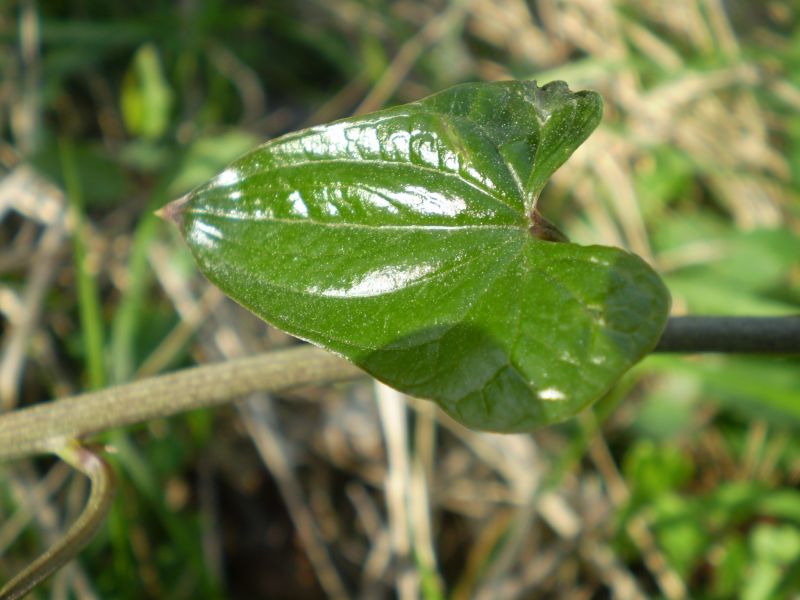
{"x": 773, "y": 335}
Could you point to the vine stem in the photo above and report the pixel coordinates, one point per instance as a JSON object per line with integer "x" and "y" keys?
{"x": 46, "y": 427}
{"x": 772, "y": 335}
{"x": 82, "y": 530}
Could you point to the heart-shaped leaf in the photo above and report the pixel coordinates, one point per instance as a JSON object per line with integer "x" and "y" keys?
{"x": 408, "y": 241}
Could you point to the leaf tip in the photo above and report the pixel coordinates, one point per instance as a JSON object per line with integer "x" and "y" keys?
{"x": 173, "y": 211}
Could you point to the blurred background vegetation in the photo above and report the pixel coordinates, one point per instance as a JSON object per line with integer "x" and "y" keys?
{"x": 683, "y": 483}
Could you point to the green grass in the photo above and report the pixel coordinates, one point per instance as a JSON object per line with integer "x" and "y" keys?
{"x": 88, "y": 297}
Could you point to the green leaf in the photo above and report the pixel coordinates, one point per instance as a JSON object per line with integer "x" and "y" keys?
{"x": 146, "y": 97}
{"x": 653, "y": 470}
{"x": 409, "y": 242}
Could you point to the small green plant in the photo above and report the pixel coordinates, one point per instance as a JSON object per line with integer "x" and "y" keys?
{"x": 410, "y": 242}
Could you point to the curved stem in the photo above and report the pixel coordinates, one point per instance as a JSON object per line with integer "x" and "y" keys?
{"x": 82, "y": 530}
{"x": 776, "y": 335}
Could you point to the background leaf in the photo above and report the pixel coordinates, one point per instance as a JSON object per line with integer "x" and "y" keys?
{"x": 146, "y": 96}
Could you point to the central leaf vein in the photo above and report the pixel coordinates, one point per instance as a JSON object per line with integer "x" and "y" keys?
{"x": 264, "y": 218}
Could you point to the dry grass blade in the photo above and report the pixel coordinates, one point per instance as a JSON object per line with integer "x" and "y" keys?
{"x": 262, "y": 427}
{"x": 671, "y": 585}
{"x": 24, "y": 191}
{"x": 411, "y": 50}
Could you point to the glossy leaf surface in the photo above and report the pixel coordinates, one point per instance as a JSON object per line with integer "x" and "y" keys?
{"x": 407, "y": 241}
